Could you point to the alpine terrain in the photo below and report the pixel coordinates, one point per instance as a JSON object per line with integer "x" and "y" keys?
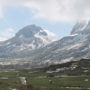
{"x": 34, "y": 46}
{"x": 29, "y": 38}
{"x": 73, "y": 47}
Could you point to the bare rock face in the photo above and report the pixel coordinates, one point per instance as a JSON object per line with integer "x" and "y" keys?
{"x": 37, "y": 44}
{"x": 73, "y": 47}
{"x": 29, "y": 38}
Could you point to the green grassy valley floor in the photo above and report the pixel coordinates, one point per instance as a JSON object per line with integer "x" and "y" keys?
{"x": 69, "y": 76}
{"x": 10, "y": 80}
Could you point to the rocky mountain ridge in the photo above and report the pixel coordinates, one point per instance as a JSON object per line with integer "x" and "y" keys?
{"x": 70, "y": 48}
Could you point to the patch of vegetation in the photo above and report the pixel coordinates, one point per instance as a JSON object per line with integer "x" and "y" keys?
{"x": 71, "y": 76}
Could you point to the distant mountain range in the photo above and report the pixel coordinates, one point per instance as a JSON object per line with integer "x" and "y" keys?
{"x": 36, "y": 46}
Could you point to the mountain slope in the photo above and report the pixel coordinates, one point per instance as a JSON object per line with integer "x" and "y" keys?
{"x": 29, "y": 38}
{"x": 73, "y": 47}
{"x": 38, "y": 48}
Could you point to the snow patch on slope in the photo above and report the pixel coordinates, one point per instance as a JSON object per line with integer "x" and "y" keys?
{"x": 50, "y": 37}
{"x": 80, "y": 26}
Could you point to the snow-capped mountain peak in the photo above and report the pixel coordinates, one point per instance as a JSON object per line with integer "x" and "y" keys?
{"x": 29, "y": 38}
{"x": 81, "y": 26}
{"x": 72, "y": 47}
{"x": 29, "y": 31}
{"x": 33, "y": 42}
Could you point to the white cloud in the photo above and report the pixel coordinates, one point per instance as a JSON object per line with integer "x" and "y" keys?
{"x": 6, "y": 34}
{"x": 51, "y": 35}
{"x": 54, "y": 10}
{"x": 1, "y": 13}
{"x": 61, "y": 10}
{"x": 10, "y": 3}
